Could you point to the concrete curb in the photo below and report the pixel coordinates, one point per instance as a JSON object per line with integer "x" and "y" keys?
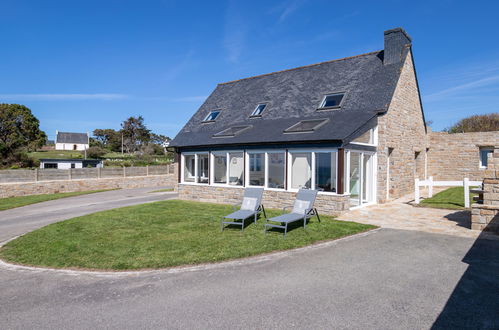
{"x": 182, "y": 269}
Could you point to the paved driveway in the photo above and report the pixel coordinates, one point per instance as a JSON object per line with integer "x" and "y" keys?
{"x": 20, "y": 220}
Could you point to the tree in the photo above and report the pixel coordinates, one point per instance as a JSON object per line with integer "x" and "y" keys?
{"x": 135, "y": 133}
{"x": 476, "y": 123}
{"x": 19, "y": 131}
{"x": 108, "y": 138}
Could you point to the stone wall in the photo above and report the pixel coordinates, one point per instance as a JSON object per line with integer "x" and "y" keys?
{"x": 402, "y": 129}
{"x": 486, "y": 216}
{"x": 325, "y": 204}
{"x": 456, "y": 156}
{"x": 50, "y": 187}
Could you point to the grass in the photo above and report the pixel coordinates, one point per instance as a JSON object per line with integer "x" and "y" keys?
{"x": 452, "y": 198}
{"x": 58, "y": 154}
{"x": 13, "y": 202}
{"x": 163, "y": 190}
{"x": 158, "y": 235}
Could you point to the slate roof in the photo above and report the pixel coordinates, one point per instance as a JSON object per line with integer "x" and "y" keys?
{"x": 75, "y": 138}
{"x": 294, "y": 95}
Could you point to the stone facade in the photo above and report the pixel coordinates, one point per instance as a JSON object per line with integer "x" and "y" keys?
{"x": 51, "y": 187}
{"x": 325, "y": 204}
{"x": 457, "y": 156}
{"x": 486, "y": 216}
{"x": 402, "y": 131}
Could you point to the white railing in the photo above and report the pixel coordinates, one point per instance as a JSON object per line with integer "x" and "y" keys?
{"x": 466, "y": 183}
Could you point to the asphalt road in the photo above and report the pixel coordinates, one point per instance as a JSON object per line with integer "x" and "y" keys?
{"x": 387, "y": 279}
{"x": 15, "y": 222}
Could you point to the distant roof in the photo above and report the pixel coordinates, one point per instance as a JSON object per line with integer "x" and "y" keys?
{"x": 66, "y": 137}
{"x": 294, "y": 95}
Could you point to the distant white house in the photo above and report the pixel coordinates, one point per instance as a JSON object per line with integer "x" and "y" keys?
{"x": 71, "y": 141}
{"x": 65, "y": 164}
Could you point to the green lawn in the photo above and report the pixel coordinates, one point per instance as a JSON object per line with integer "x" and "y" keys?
{"x": 58, "y": 154}
{"x": 12, "y": 202}
{"x": 163, "y": 190}
{"x": 158, "y": 235}
{"x": 452, "y": 198}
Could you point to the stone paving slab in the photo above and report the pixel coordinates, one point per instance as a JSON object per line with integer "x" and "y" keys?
{"x": 400, "y": 214}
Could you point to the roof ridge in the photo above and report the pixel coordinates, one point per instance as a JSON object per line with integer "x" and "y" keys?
{"x": 300, "y": 67}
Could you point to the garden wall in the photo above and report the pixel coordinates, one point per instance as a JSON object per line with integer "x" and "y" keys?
{"x": 457, "y": 156}
{"x": 325, "y": 204}
{"x": 57, "y": 186}
{"x": 49, "y": 174}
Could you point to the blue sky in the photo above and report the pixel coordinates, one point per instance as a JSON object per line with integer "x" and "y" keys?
{"x": 81, "y": 65}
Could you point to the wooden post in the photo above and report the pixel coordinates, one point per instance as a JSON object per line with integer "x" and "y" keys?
{"x": 36, "y": 175}
{"x": 416, "y": 191}
{"x": 70, "y": 175}
{"x": 466, "y": 185}
{"x": 430, "y": 187}
{"x": 341, "y": 170}
{"x": 147, "y": 170}
{"x": 99, "y": 173}
{"x": 124, "y": 171}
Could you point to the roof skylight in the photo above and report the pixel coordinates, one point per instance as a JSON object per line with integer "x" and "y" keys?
{"x": 232, "y": 131}
{"x": 212, "y": 116}
{"x": 306, "y": 126}
{"x": 258, "y": 110}
{"x": 332, "y": 101}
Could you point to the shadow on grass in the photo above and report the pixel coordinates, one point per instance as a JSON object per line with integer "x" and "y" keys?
{"x": 291, "y": 226}
{"x": 474, "y": 303}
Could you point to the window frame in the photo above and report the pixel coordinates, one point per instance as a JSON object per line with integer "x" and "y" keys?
{"x": 227, "y": 159}
{"x": 323, "y": 101}
{"x": 265, "y": 105}
{"x": 287, "y": 168}
{"x": 480, "y": 149}
{"x": 313, "y": 151}
{"x": 205, "y": 120}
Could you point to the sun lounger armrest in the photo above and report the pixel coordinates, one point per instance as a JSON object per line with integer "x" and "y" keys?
{"x": 285, "y": 208}
{"x": 234, "y": 206}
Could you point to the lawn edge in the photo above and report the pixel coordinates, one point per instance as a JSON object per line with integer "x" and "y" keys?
{"x": 187, "y": 267}
{"x": 49, "y": 200}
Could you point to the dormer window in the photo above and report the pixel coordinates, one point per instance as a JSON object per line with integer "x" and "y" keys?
{"x": 212, "y": 116}
{"x": 331, "y": 101}
{"x": 258, "y": 110}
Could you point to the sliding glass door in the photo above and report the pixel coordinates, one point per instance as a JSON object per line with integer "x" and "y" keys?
{"x": 360, "y": 175}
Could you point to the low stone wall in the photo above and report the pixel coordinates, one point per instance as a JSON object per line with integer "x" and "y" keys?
{"x": 51, "y": 187}
{"x": 325, "y": 204}
{"x": 486, "y": 216}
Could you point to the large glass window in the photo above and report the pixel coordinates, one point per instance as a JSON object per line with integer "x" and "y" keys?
{"x": 256, "y": 169}
{"x": 276, "y": 170}
{"x": 203, "y": 168}
{"x": 189, "y": 168}
{"x": 301, "y": 170}
{"x": 236, "y": 169}
{"x": 220, "y": 168}
{"x": 325, "y": 171}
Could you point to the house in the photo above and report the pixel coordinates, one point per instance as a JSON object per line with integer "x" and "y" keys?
{"x": 352, "y": 128}
{"x": 70, "y": 163}
{"x": 71, "y": 141}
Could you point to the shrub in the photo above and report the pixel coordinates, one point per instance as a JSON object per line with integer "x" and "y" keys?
{"x": 95, "y": 152}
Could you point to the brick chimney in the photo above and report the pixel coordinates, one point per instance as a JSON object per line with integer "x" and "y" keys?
{"x": 395, "y": 41}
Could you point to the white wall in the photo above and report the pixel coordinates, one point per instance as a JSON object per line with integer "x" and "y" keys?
{"x": 69, "y": 146}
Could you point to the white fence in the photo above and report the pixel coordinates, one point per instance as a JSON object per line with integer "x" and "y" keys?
{"x": 466, "y": 183}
